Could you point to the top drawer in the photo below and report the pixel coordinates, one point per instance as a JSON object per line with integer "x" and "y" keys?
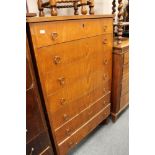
{"x": 49, "y": 33}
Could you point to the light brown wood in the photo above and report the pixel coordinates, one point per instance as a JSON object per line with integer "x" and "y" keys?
{"x": 68, "y": 128}
{"x": 79, "y": 105}
{"x": 51, "y": 33}
{"x": 74, "y": 67}
{"x": 84, "y": 130}
{"x": 64, "y": 18}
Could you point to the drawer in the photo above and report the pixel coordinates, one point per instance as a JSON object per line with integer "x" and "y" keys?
{"x": 34, "y": 122}
{"x": 70, "y": 74}
{"x": 75, "y": 107}
{"x": 125, "y": 69}
{"x": 55, "y": 57}
{"x": 49, "y": 33}
{"x": 126, "y": 57}
{"x": 84, "y": 130}
{"x": 124, "y": 100}
{"x": 39, "y": 146}
{"x": 125, "y": 85}
{"x": 71, "y": 126}
{"x": 77, "y": 90}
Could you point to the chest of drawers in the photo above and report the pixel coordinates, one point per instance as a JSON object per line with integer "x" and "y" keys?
{"x": 73, "y": 57}
{"x": 37, "y": 137}
{"x": 120, "y": 82}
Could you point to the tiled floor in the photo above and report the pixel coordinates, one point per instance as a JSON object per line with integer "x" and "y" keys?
{"x": 111, "y": 139}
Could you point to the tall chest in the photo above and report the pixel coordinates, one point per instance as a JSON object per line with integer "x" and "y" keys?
{"x": 73, "y": 57}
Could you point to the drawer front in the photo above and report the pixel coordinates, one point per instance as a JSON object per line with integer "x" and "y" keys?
{"x": 125, "y": 85}
{"x": 124, "y": 100}
{"x": 78, "y": 89}
{"x": 126, "y": 57}
{"x": 57, "y": 56}
{"x": 75, "y": 107}
{"x": 39, "y": 146}
{"x": 73, "y": 73}
{"x": 34, "y": 122}
{"x": 84, "y": 130}
{"x": 49, "y": 33}
{"x": 67, "y": 129}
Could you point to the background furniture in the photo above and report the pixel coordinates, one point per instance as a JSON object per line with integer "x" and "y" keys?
{"x": 120, "y": 80}
{"x": 53, "y": 5}
{"x": 37, "y": 138}
{"x": 73, "y": 57}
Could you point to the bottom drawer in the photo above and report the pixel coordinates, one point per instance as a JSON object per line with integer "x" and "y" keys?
{"x": 124, "y": 100}
{"x": 84, "y": 130}
{"x": 39, "y": 146}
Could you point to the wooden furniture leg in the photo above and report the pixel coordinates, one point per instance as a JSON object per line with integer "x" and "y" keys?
{"x": 53, "y": 7}
{"x": 76, "y": 12}
{"x": 83, "y": 7}
{"x": 41, "y": 9}
{"x": 120, "y": 21}
{"x": 114, "y": 117}
{"x": 91, "y": 7}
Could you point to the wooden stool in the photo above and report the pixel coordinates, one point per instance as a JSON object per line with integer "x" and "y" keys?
{"x": 52, "y": 4}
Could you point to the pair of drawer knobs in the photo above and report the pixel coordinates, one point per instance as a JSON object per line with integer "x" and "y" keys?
{"x": 57, "y": 60}
{"x": 55, "y": 35}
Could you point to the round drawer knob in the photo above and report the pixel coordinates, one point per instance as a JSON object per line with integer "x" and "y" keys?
{"x": 54, "y": 35}
{"x": 105, "y": 61}
{"x": 61, "y": 81}
{"x": 68, "y": 131}
{"x": 57, "y": 60}
{"x": 105, "y": 28}
{"x": 65, "y": 117}
{"x": 63, "y": 101}
{"x": 105, "y": 41}
{"x": 70, "y": 143}
{"x": 105, "y": 76}
{"x": 90, "y": 113}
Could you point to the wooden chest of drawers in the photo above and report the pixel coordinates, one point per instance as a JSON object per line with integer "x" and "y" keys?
{"x": 37, "y": 137}
{"x": 73, "y": 57}
{"x": 120, "y": 83}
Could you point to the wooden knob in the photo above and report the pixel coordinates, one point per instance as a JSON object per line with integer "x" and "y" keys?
{"x": 57, "y": 60}
{"x": 63, "y": 101}
{"x": 105, "y": 61}
{"x": 54, "y": 35}
{"x": 61, "y": 81}
{"x": 68, "y": 131}
{"x": 65, "y": 117}
{"x": 90, "y": 112}
{"x": 70, "y": 143}
{"x": 105, "y": 28}
{"x": 105, "y": 76}
{"x": 105, "y": 41}
{"x": 104, "y": 90}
